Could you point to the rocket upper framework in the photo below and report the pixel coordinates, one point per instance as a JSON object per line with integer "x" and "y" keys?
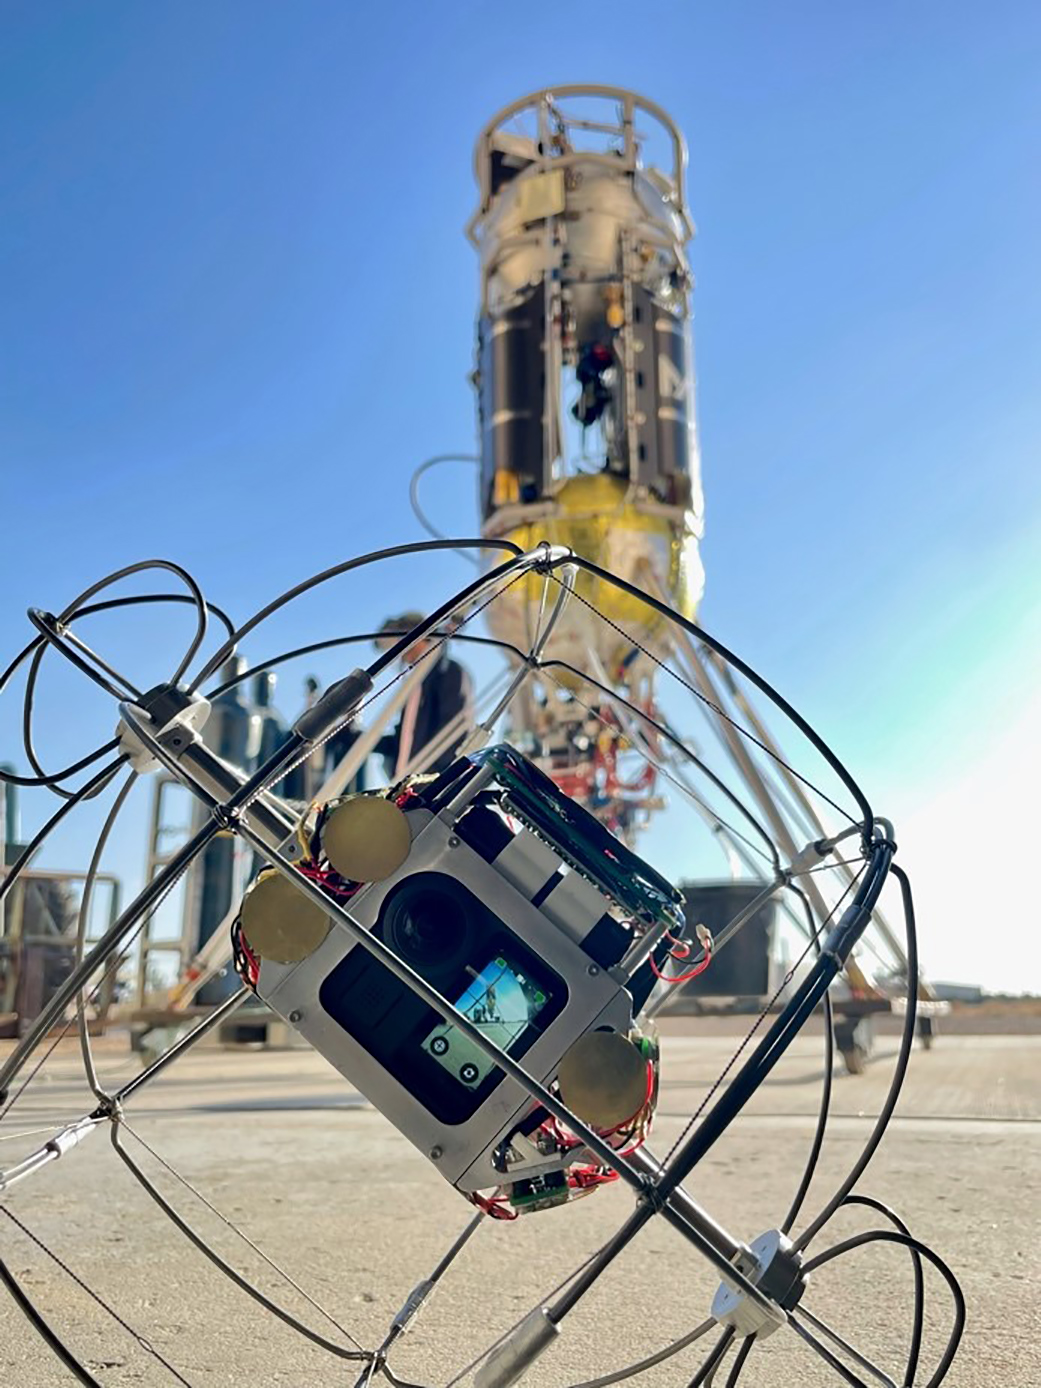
{"x": 585, "y": 368}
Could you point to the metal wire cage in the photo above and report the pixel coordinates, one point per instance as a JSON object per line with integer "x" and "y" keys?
{"x": 766, "y": 812}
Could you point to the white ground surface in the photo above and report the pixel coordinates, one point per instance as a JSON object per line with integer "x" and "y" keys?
{"x": 325, "y": 1186}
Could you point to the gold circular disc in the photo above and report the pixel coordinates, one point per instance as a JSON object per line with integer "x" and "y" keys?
{"x": 603, "y": 1078}
{"x": 281, "y": 923}
{"x": 366, "y": 839}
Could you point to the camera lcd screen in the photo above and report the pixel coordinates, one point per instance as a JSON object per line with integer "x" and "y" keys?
{"x": 503, "y": 1001}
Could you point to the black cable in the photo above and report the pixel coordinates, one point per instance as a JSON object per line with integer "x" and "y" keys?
{"x": 413, "y": 493}
{"x": 106, "y": 606}
{"x": 902, "y": 1061}
{"x": 691, "y": 1146}
{"x": 215, "y": 1258}
{"x": 38, "y": 646}
{"x": 50, "y": 627}
{"x": 34, "y": 781}
{"x": 89, "y": 788}
{"x": 715, "y": 1358}
{"x": 740, "y": 1362}
{"x": 822, "y": 1117}
{"x": 751, "y": 1075}
{"x": 906, "y": 1241}
{"x": 427, "y": 628}
{"x": 99, "y": 1300}
{"x": 375, "y": 556}
{"x": 918, "y": 1326}
{"x": 54, "y": 1343}
{"x": 358, "y": 639}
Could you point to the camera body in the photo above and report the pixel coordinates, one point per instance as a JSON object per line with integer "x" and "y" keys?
{"x": 507, "y": 903}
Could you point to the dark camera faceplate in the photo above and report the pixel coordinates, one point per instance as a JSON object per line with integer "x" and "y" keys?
{"x": 394, "y": 1025}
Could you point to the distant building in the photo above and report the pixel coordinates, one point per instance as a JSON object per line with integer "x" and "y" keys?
{"x": 957, "y": 992}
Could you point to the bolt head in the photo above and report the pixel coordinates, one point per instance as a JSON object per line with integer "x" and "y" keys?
{"x": 436, "y": 1153}
{"x": 593, "y": 970}
{"x": 295, "y": 1016}
{"x": 453, "y": 841}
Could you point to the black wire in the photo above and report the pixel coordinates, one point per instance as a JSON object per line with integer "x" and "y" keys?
{"x": 918, "y": 1327}
{"x": 89, "y": 788}
{"x": 49, "y": 625}
{"x": 413, "y": 493}
{"x": 392, "y": 552}
{"x": 84, "y": 793}
{"x": 902, "y": 1061}
{"x": 749, "y": 1075}
{"x": 825, "y": 1106}
{"x": 339, "y": 1351}
{"x": 54, "y": 1343}
{"x": 33, "y": 781}
{"x": 36, "y": 649}
{"x": 145, "y": 1344}
{"x": 106, "y": 606}
{"x": 906, "y": 1241}
{"x": 714, "y": 1359}
{"x": 358, "y": 639}
{"x": 427, "y": 628}
{"x": 739, "y": 1362}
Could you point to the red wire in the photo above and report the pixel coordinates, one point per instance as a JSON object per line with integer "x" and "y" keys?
{"x": 682, "y": 978}
{"x": 496, "y": 1207}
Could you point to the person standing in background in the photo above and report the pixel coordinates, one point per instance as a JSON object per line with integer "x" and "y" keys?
{"x": 443, "y": 696}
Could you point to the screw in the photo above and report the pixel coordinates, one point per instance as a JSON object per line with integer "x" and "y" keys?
{"x": 436, "y": 1153}
{"x": 593, "y": 970}
{"x": 295, "y": 1016}
{"x": 453, "y": 842}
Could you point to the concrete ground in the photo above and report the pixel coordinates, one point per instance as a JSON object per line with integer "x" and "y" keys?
{"x": 324, "y": 1186}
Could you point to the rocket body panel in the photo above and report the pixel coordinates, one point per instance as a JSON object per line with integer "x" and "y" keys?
{"x": 585, "y": 374}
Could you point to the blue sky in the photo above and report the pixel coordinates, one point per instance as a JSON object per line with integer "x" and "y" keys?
{"x": 238, "y": 309}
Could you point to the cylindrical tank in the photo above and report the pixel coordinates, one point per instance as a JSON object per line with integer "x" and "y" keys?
{"x": 273, "y": 731}
{"x": 10, "y": 823}
{"x": 233, "y": 731}
{"x": 585, "y": 376}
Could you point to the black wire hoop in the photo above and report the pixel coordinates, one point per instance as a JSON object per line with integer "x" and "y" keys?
{"x": 831, "y": 937}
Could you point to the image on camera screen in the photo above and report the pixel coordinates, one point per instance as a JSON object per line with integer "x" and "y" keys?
{"x": 502, "y": 1001}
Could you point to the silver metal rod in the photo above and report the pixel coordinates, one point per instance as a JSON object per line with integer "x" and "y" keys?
{"x": 825, "y": 1353}
{"x": 798, "y": 791}
{"x": 847, "y": 1348}
{"x": 566, "y": 580}
{"x": 218, "y": 1015}
{"x": 63, "y": 1141}
{"x": 222, "y": 781}
{"x": 688, "y": 1207}
{"x": 417, "y": 1297}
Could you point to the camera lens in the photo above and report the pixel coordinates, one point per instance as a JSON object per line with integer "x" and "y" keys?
{"x": 428, "y": 925}
{"x": 431, "y": 928}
